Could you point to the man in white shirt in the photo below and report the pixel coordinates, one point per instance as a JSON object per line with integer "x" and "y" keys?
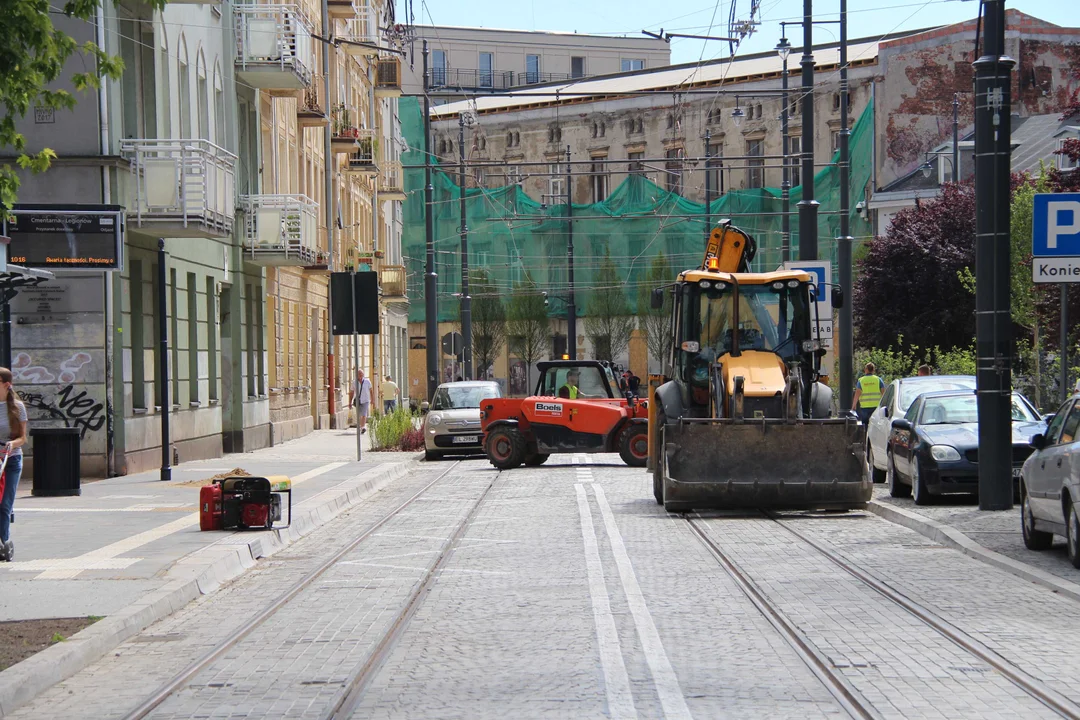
{"x": 361, "y": 400}
{"x": 389, "y": 395}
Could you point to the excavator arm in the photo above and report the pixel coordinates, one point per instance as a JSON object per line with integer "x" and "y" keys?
{"x": 729, "y": 249}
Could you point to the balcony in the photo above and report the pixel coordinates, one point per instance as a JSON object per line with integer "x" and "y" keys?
{"x": 342, "y": 9}
{"x": 180, "y": 188}
{"x": 361, "y": 37}
{"x": 345, "y": 131}
{"x": 273, "y": 47}
{"x": 310, "y": 108}
{"x": 392, "y": 283}
{"x": 390, "y": 181}
{"x": 388, "y": 77}
{"x": 466, "y": 79}
{"x": 280, "y": 230}
{"x": 362, "y": 161}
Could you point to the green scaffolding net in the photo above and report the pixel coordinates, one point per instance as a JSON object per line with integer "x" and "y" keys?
{"x": 516, "y": 239}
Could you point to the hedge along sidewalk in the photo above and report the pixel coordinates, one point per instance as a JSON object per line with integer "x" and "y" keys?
{"x": 219, "y": 559}
{"x": 944, "y": 530}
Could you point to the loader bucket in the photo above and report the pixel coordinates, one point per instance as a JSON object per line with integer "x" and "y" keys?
{"x": 721, "y": 464}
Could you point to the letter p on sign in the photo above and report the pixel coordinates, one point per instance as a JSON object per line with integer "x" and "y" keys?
{"x": 1055, "y": 209}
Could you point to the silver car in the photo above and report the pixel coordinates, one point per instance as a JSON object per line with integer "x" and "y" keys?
{"x": 452, "y": 424}
{"x": 1050, "y": 484}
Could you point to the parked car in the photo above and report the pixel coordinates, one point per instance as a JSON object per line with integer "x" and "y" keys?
{"x": 895, "y": 401}
{"x": 1050, "y": 483}
{"x": 934, "y": 448}
{"x": 452, "y": 423}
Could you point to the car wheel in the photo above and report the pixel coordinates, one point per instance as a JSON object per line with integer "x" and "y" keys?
{"x": 877, "y": 475}
{"x": 634, "y": 445}
{"x": 1033, "y": 539}
{"x": 896, "y": 488}
{"x": 1072, "y": 535}
{"x": 918, "y": 485}
{"x": 432, "y": 455}
{"x": 505, "y": 448}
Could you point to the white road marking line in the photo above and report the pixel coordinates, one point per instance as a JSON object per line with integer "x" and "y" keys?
{"x": 103, "y": 558}
{"x": 616, "y": 683}
{"x": 667, "y": 684}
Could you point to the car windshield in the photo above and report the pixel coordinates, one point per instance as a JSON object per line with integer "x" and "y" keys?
{"x": 460, "y": 397}
{"x": 950, "y": 410}
{"x": 770, "y": 318}
{"x": 911, "y": 390}
{"x": 1022, "y": 410}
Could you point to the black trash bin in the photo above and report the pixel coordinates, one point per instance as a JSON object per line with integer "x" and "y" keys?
{"x": 56, "y": 461}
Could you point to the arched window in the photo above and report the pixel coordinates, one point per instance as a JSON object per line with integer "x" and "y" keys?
{"x": 202, "y": 95}
{"x": 165, "y": 73}
{"x": 219, "y": 106}
{"x": 183, "y": 88}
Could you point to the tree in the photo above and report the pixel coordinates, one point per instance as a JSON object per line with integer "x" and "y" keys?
{"x": 33, "y": 54}
{"x": 527, "y": 325}
{"x": 909, "y": 283}
{"x": 655, "y": 323}
{"x": 608, "y": 321}
{"x": 488, "y": 321}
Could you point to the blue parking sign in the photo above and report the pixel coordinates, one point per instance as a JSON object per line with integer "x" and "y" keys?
{"x": 1056, "y": 225}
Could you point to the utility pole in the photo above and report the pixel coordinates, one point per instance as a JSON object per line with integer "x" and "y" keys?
{"x": 808, "y": 206}
{"x": 356, "y": 370}
{"x": 956, "y": 137}
{"x": 466, "y": 301}
{"x": 571, "y": 307}
{"x": 431, "y": 286}
{"x": 708, "y": 183}
{"x": 845, "y": 331}
{"x": 993, "y": 324}
{"x": 163, "y": 361}
{"x": 783, "y": 49}
{"x": 328, "y": 202}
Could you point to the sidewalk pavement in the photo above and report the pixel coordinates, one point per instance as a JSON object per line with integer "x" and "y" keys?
{"x": 126, "y": 537}
{"x": 991, "y": 537}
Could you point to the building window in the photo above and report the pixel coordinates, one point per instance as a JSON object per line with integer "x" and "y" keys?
{"x": 674, "y": 168}
{"x": 138, "y": 332}
{"x": 211, "y": 338}
{"x": 632, "y": 64}
{"x": 219, "y": 109}
{"x": 556, "y": 184}
{"x": 166, "y": 92}
{"x": 554, "y": 134}
{"x": 600, "y": 179}
{"x": 203, "y": 99}
{"x": 755, "y": 174}
{"x": 438, "y": 68}
{"x": 794, "y": 158}
{"x": 635, "y": 166}
{"x": 715, "y": 169}
{"x": 193, "y": 337}
{"x": 513, "y": 175}
{"x": 835, "y": 140}
{"x": 1064, "y": 162}
{"x": 174, "y": 323}
{"x": 532, "y": 69}
{"x": 486, "y": 69}
{"x": 577, "y": 67}
{"x": 184, "y": 90}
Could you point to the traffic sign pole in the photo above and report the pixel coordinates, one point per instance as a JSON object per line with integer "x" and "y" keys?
{"x": 1064, "y": 341}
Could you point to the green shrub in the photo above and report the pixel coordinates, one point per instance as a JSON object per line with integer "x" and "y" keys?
{"x": 387, "y": 431}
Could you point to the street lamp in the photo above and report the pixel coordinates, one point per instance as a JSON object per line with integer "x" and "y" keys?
{"x": 927, "y": 167}
{"x": 737, "y": 114}
{"x": 783, "y": 49}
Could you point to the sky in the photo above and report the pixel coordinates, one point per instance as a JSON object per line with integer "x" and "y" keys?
{"x": 866, "y": 18}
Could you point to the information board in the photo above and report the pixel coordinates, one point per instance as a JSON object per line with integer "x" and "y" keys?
{"x": 66, "y": 237}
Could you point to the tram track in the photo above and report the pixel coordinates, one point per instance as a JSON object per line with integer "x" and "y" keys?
{"x": 846, "y": 694}
{"x": 346, "y": 701}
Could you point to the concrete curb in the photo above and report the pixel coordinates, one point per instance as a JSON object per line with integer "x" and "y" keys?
{"x": 953, "y": 538}
{"x": 200, "y": 573}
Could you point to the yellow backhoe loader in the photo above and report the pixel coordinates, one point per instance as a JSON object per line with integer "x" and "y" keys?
{"x": 741, "y": 418}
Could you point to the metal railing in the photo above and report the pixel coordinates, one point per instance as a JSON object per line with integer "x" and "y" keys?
{"x": 469, "y": 79}
{"x": 278, "y": 35}
{"x": 362, "y": 28}
{"x": 280, "y": 228}
{"x": 390, "y": 177}
{"x": 392, "y": 281}
{"x": 190, "y": 183}
{"x": 367, "y": 146}
{"x": 311, "y": 99}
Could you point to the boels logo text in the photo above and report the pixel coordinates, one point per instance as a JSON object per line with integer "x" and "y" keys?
{"x": 548, "y": 408}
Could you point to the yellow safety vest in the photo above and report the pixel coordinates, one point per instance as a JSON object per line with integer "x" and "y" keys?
{"x": 870, "y": 385}
{"x": 573, "y": 391}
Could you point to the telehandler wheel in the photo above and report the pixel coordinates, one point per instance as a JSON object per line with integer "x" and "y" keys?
{"x": 536, "y": 458}
{"x": 634, "y": 445}
{"x": 658, "y": 463}
{"x": 505, "y": 448}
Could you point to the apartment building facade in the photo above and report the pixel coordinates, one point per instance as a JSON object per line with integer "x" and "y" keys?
{"x": 209, "y": 145}
{"x": 465, "y": 60}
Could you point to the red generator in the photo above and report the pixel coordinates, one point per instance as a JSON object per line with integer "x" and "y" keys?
{"x": 243, "y": 502}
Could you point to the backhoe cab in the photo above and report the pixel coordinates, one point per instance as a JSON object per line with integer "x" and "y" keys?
{"x": 743, "y": 420}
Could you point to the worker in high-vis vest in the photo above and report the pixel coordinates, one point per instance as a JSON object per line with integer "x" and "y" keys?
{"x": 868, "y": 391}
{"x": 570, "y": 389}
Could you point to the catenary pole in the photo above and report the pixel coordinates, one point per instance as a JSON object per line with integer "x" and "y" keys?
{"x": 163, "y": 361}
{"x": 571, "y": 305}
{"x": 845, "y": 331}
{"x": 466, "y": 301}
{"x": 993, "y": 325}
{"x": 431, "y": 287}
{"x": 808, "y": 206}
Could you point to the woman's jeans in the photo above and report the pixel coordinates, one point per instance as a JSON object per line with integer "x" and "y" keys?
{"x": 7, "y": 505}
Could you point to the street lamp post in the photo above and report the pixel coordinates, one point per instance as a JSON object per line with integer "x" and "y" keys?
{"x": 571, "y": 307}
{"x": 431, "y": 287}
{"x": 466, "y": 301}
{"x": 808, "y": 206}
{"x": 163, "y": 361}
{"x": 783, "y": 49}
{"x": 708, "y": 183}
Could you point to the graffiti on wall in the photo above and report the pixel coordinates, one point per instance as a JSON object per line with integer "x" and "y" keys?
{"x": 24, "y": 370}
{"x": 74, "y": 407}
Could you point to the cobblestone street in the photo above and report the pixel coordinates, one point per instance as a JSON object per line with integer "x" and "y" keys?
{"x": 565, "y": 591}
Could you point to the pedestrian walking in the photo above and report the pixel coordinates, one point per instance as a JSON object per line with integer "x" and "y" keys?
{"x": 868, "y": 393}
{"x": 13, "y": 435}
{"x": 389, "y": 391}
{"x": 361, "y": 400}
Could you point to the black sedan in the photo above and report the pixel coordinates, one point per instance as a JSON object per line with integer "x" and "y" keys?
{"x": 934, "y": 448}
